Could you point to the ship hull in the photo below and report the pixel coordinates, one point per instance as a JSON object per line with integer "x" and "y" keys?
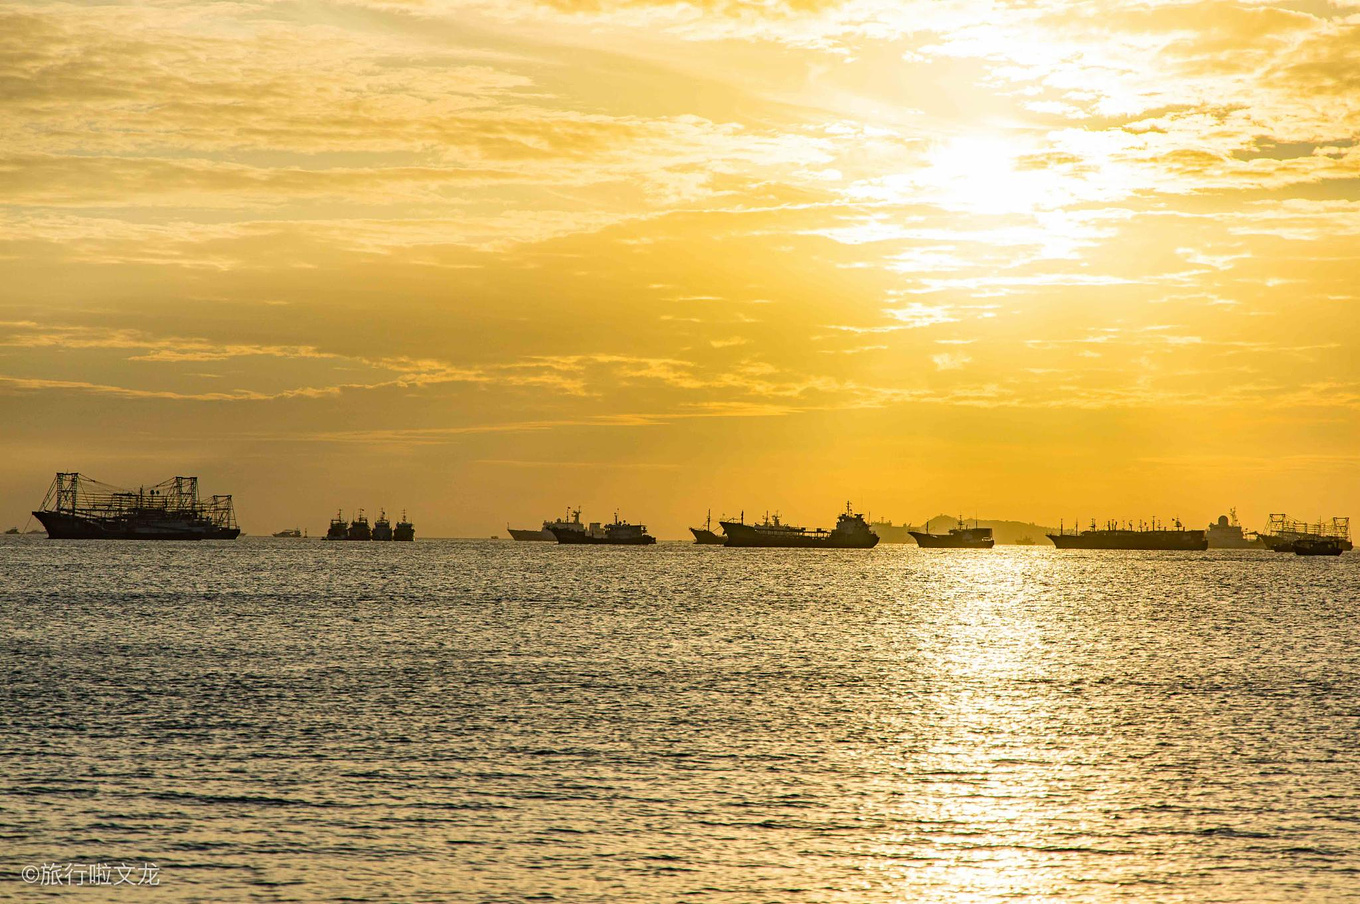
{"x": 1151, "y": 540}
{"x": 748, "y": 536}
{"x": 705, "y": 537}
{"x": 579, "y": 538}
{"x": 542, "y": 536}
{"x": 64, "y": 526}
{"x": 944, "y": 541}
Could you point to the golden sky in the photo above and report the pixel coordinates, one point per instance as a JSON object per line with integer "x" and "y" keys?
{"x": 482, "y": 259}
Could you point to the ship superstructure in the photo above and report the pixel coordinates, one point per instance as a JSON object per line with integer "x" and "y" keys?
{"x": 1147, "y": 536}
{"x": 1226, "y": 533}
{"x": 851, "y": 532}
{"x": 78, "y": 507}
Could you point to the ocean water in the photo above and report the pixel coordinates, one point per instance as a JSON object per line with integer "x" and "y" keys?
{"x": 468, "y": 721}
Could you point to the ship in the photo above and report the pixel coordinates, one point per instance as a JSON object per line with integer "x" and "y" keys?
{"x": 545, "y": 533}
{"x": 889, "y": 532}
{"x": 339, "y": 529}
{"x": 851, "y": 532}
{"x": 1318, "y": 546}
{"x": 1285, "y": 533}
{"x": 616, "y": 533}
{"x": 1226, "y": 533}
{"x": 382, "y": 528}
{"x": 405, "y": 531}
{"x": 705, "y": 536}
{"x": 1154, "y": 536}
{"x": 960, "y": 537}
{"x": 292, "y": 533}
{"x": 358, "y": 528}
{"x": 78, "y": 507}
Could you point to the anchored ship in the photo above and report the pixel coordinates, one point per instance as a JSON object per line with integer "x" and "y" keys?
{"x": 705, "y": 536}
{"x": 960, "y": 537}
{"x": 405, "y": 531}
{"x": 1226, "y": 533}
{"x": 339, "y": 529}
{"x": 382, "y": 528}
{"x": 1154, "y": 536}
{"x": 292, "y": 533}
{"x": 1286, "y": 533}
{"x": 891, "y": 533}
{"x": 78, "y": 507}
{"x": 545, "y": 533}
{"x": 360, "y": 529}
{"x": 616, "y": 533}
{"x": 851, "y": 532}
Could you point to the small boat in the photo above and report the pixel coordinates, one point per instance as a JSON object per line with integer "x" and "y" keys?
{"x": 1318, "y": 546}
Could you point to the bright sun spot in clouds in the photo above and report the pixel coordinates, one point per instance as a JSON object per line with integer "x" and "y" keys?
{"x": 977, "y": 173}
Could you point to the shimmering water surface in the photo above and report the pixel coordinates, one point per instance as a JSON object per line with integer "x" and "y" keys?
{"x": 481, "y": 721}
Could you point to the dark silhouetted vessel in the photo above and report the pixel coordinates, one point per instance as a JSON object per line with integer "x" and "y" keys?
{"x": 382, "y": 528}
{"x": 1145, "y": 536}
{"x": 706, "y": 536}
{"x": 958, "y": 538}
{"x": 617, "y": 533}
{"x": 405, "y": 531}
{"x": 1285, "y": 532}
{"x": 851, "y": 532}
{"x": 80, "y": 508}
{"x": 292, "y": 533}
{"x": 1317, "y": 546}
{"x": 545, "y": 533}
{"x": 358, "y": 528}
{"x": 339, "y": 529}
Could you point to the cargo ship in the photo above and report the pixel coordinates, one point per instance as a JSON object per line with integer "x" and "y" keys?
{"x": 78, "y": 507}
{"x": 960, "y": 537}
{"x": 851, "y": 532}
{"x": 1285, "y": 533}
{"x": 1226, "y": 533}
{"x": 545, "y": 533}
{"x": 705, "y": 536}
{"x": 616, "y": 533}
{"x": 1152, "y": 536}
{"x": 889, "y": 532}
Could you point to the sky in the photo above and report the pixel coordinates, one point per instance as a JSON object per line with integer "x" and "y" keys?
{"x": 485, "y": 259}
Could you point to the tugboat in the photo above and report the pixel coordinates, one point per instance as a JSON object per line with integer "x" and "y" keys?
{"x": 339, "y": 529}
{"x": 617, "y": 533}
{"x": 405, "y": 530}
{"x": 851, "y": 532}
{"x": 358, "y": 528}
{"x": 704, "y": 536}
{"x": 1154, "y": 536}
{"x": 958, "y": 537}
{"x": 382, "y": 528}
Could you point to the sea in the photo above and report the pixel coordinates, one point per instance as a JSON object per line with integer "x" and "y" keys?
{"x": 482, "y": 721}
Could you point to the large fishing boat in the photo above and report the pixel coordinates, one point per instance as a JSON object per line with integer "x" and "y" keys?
{"x": 382, "y": 528}
{"x": 1153, "y": 536}
{"x": 1285, "y": 533}
{"x": 545, "y": 533}
{"x": 405, "y": 531}
{"x": 616, "y": 533}
{"x": 81, "y": 508}
{"x": 1226, "y": 533}
{"x": 959, "y": 537}
{"x": 851, "y": 532}
{"x": 706, "y": 536}
{"x": 339, "y": 527}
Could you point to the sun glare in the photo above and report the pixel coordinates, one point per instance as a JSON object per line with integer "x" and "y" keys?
{"x": 977, "y": 174}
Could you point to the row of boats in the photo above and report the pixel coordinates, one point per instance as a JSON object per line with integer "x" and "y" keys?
{"x": 360, "y": 529}
{"x": 1323, "y": 538}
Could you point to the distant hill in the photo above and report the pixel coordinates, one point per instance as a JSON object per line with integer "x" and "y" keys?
{"x": 1007, "y": 533}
